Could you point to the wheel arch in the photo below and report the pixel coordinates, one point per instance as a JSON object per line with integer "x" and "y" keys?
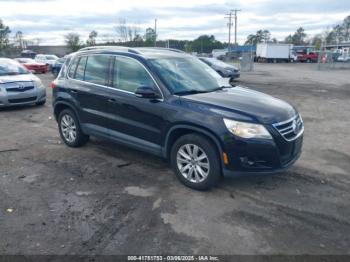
{"x": 179, "y": 130}
{"x": 62, "y": 105}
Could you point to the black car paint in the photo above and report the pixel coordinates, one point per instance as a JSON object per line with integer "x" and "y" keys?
{"x": 149, "y": 124}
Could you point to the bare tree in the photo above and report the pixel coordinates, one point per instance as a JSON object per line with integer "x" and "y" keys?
{"x": 122, "y": 30}
{"x": 19, "y": 39}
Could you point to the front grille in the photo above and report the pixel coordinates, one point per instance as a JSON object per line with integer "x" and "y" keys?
{"x": 22, "y": 100}
{"x": 19, "y": 89}
{"x": 290, "y": 129}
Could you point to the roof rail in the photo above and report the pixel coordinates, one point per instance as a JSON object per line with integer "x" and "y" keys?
{"x": 124, "y": 48}
{"x": 163, "y": 48}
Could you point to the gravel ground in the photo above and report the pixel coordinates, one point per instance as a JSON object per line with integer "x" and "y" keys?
{"x": 107, "y": 199}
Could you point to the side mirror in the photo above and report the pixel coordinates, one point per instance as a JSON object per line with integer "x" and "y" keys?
{"x": 146, "y": 92}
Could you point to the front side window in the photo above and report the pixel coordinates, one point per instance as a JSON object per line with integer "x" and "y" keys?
{"x": 129, "y": 75}
{"x": 97, "y": 67}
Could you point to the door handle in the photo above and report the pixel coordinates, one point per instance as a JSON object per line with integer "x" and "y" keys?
{"x": 112, "y": 100}
{"x": 73, "y": 91}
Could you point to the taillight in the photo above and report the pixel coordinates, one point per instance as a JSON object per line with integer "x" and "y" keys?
{"x": 53, "y": 84}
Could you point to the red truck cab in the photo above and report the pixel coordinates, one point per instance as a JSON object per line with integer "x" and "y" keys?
{"x": 310, "y": 57}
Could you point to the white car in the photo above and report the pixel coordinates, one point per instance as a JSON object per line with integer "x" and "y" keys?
{"x": 343, "y": 58}
{"x": 46, "y": 59}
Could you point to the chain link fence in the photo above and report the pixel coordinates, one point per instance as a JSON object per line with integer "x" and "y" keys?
{"x": 328, "y": 60}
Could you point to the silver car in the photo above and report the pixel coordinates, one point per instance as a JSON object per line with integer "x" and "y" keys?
{"x": 18, "y": 86}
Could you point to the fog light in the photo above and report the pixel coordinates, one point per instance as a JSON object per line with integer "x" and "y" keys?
{"x": 246, "y": 161}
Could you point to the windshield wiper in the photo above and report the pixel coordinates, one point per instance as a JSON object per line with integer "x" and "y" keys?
{"x": 190, "y": 92}
{"x": 11, "y": 73}
{"x": 219, "y": 88}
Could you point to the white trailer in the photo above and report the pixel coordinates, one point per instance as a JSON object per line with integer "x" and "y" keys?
{"x": 271, "y": 52}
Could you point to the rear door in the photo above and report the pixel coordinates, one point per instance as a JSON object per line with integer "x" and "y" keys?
{"x": 90, "y": 79}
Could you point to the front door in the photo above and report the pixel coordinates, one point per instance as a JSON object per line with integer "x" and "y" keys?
{"x": 136, "y": 120}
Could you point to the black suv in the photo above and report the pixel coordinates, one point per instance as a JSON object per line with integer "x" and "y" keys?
{"x": 173, "y": 105}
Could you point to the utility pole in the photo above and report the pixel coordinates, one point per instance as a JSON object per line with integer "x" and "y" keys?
{"x": 235, "y": 11}
{"x": 229, "y": 24}
{"x": 155, "y": 32}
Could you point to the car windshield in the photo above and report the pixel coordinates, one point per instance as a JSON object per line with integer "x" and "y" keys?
{"x": 25, "y": 60}
{"x": 186, "y": 75}
{"x": 11, "y": 67}
{"x": 51, "y": 57}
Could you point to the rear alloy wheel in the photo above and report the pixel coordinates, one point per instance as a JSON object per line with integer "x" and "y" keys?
{"x": 70, "y": 130}
{"x": 195, "y": 162}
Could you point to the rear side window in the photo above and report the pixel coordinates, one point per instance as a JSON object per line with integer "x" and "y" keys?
{"x": 73, "y": 66}
{"x": 129, "y": 75}
{"x": 97, "y": 68}
{"x": 79, "y": 73}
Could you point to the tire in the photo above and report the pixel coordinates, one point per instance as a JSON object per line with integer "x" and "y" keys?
{"x": 203, "y": 173}
{"x": 41, "y": 103}
{"x": 308, "y": 61}
{"x": 75, "y": 138}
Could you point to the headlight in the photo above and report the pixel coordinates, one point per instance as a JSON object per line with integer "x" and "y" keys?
{"x": 38, "y": 83}
{"x": 247, "y": 130}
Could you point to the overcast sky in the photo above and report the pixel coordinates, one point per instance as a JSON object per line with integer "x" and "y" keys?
{"x": 50, "y": 20}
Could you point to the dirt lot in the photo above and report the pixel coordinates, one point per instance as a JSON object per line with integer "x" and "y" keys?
{"x": 107, "y": 199}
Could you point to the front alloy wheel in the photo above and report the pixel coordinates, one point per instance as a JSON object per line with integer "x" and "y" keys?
{"x": 193, "y": 163}
{"x": 196, "y": 161}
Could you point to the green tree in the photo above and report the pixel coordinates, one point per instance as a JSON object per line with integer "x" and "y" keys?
{"x": 299, "y": 36}
{"x": 339, "y": 33}
{"x": 317, "y": 41}
{"x": 259, "y": 37}
{"x": 4, "y": 35}
{"x": 346, "y": 28}
{"x": 330, "y": 37}
{"x": 204, "y": 44}
{"x": 73, "y": 41}
{"x": 91, "y": 41}
{"x": 289, "y": 39}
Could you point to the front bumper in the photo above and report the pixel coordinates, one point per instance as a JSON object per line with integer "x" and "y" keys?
{"x": 253, "y": 156}
{"x": 33, "y": 96}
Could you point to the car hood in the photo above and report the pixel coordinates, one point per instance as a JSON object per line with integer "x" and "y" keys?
{"x": 226, "y": 67}
{"x": 246, "y": 104}
{"x": 17, "y": 78}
